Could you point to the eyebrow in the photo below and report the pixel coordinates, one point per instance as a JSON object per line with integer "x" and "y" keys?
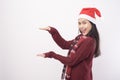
{"x": 85, "y": 20}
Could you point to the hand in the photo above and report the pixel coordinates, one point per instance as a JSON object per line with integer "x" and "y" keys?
{"x": 46, "y": 28}
{"x": 47, "y": 54}
{"x": 41, "y": 55}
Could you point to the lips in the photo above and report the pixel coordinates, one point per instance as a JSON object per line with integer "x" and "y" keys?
{"x": 83, "y": 30}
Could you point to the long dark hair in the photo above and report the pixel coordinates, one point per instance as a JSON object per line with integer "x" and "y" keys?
{"x": 95, "y": 34}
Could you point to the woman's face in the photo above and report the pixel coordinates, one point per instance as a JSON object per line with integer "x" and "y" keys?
{"x": 84, "y": 26}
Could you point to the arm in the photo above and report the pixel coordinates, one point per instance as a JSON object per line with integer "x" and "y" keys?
{"x": 57, "y": 38}
{"x": 83, "y": 52}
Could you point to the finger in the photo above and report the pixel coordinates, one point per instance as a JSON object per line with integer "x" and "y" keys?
{"x": 41, "y": 55}
{"x": 38, "y": 54}
{"x": 45, "y": 28}
{"x": 42, "y": 28}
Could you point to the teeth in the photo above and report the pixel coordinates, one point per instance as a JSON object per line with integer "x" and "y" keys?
{"x": 83, "y": 30}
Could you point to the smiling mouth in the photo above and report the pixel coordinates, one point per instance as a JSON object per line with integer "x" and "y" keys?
{"x": 83, "y": 30}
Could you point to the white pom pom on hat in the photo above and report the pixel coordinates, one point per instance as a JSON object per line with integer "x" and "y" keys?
{"x": 89, "y": 14}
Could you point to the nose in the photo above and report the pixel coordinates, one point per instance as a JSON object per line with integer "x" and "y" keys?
{"x": 81, "y": 26}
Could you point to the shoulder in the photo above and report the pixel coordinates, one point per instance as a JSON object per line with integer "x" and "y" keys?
{"x": 88, "y": 39}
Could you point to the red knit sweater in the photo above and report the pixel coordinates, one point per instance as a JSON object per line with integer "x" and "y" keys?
{"x": 81, "y": 62}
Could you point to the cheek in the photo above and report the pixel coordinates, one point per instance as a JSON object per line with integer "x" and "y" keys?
{"x": 88, "y": 28}
{"x": 79, "y": 27}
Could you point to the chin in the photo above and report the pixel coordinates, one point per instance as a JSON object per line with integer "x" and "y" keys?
{"x": 84, "y": 34}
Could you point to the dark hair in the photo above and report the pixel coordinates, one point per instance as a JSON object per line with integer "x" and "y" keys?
{"x": 95, "y": 34}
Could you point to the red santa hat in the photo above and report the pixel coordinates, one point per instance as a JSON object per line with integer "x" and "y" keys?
{"x": 89, "y": 14}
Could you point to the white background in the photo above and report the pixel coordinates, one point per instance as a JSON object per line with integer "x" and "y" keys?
{"x": 20, "y": 39}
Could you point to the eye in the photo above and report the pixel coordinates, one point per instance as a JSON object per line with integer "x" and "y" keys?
{"x": 79, "y": 23}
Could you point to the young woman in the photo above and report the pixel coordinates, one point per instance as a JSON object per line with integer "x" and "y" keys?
{"x": 82, "y": 49}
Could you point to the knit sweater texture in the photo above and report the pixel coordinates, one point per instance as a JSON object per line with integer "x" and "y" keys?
{"x": 81, "y": 62}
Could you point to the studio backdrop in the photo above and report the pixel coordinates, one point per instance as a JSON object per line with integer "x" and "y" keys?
{"x": 21, "y": 40}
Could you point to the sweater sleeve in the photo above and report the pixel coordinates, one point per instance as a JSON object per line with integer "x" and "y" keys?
{"x": 59, "y": 40}
{"x": 85, "y": 49}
